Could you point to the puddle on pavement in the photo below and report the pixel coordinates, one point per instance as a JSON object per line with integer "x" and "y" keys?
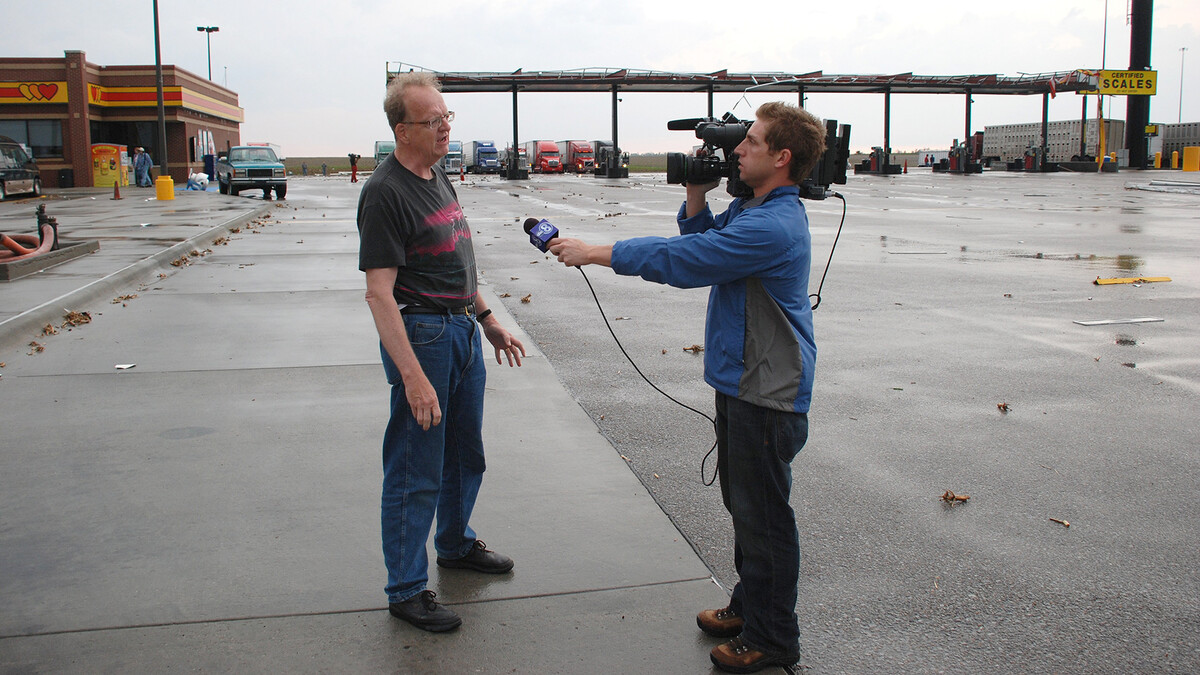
{"x": 1124, "y": 263}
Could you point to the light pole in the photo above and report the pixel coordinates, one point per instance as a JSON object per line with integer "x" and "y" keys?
{"x": 1182, "y": 54}
{"x": 208, "y": 31}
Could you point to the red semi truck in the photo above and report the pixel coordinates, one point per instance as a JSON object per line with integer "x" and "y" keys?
{"x": 543, "y": 157}
{"x": 577, "y": 156}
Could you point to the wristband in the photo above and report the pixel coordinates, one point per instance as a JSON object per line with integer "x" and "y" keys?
{"x": 483, "y": 315}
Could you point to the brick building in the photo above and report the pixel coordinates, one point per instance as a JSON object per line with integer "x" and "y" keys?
{"x": 59, "y": 107}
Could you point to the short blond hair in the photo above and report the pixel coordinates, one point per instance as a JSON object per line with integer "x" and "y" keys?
{"x": 393, "y": 100}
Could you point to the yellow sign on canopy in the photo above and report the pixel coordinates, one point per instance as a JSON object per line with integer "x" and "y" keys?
{"x": 1123, "y": 82}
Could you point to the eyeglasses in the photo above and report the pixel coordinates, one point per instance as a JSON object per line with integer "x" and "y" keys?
{"x": 436, "y": 122}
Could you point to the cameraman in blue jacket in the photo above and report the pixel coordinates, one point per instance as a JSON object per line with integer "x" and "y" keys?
{"x": 759, "y": 357}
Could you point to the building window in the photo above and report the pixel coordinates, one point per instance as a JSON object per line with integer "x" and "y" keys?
{"x": 44, "y": 137}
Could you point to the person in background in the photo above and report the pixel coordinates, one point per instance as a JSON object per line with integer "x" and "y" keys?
{"x": 141, "y": 167}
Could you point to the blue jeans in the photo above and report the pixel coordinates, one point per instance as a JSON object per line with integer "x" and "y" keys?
{"x": 435, "y": 471}
{"x": 755, "y": 447}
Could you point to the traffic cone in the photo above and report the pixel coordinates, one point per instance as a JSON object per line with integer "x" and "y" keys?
{"x": 116, "y": 189}
{"x": 906, "y": 166}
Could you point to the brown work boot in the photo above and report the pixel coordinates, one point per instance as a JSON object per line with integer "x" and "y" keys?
{"x": 736, "y": 656}
{"x": 722, "y": 623}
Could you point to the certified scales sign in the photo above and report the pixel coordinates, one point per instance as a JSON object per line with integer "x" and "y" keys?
{"x": 1118, "y": 82}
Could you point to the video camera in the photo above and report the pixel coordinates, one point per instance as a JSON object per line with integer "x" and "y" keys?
{"x": 715, "y": 160}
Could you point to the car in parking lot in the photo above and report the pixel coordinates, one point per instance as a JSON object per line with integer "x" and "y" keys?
{"x": 18, "y": 170}
{"x": 248, "y": 167}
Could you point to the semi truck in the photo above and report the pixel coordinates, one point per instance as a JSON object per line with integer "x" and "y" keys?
{"x": 606, "y": 156}
{"x": 452, "y": 161}
{"x": 577, "y": 156}
{"x": 543, "y": 157}
{"x": 481, "y": 157}
{"x": 522, "y": 159}
{"x": 383, "y": 149}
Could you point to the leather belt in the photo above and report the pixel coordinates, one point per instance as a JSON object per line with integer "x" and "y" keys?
{"x": 423, "y": 309}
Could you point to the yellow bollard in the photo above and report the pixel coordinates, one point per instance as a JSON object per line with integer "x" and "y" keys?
{"x": 1191, "y": 158}
{"x": 1174, "y": 159}
{"x": 1158, "y": 160}
{"x": 164, "y": 188}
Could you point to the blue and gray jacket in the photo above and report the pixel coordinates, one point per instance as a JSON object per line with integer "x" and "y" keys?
{"x": 756, "y": 255}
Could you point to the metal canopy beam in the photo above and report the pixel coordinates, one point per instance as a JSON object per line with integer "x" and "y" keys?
{"x": 602, "y": 80}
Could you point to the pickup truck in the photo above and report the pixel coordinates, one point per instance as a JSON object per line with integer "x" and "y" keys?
{"x": 248, "y": 167}
{"x": 18, "y": 171}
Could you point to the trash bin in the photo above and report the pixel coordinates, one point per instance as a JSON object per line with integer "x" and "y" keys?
{"x": 164, "y": 188}
{"x": 210, "y": 165}
{"x": 66, "y": 178}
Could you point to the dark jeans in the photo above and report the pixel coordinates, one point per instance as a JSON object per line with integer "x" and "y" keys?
{"x": 438, "y": 471}
{"x": 755, "y": 447}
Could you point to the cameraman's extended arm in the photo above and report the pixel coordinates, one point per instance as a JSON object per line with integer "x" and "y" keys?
{"x": 696, "y": 200}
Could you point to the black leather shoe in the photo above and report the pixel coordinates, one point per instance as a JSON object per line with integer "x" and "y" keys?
{"x": 422, "y": 611}
{"x": 479, "y": 559}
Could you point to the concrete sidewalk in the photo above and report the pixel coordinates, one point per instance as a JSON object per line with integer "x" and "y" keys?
{"x": 215, "y": 506}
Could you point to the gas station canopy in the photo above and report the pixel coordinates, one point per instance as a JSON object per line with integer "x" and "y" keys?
{"x": 632, "y": 80}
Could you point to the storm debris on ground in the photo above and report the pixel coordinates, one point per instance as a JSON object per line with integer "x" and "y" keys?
{"x": 950, "y": 498}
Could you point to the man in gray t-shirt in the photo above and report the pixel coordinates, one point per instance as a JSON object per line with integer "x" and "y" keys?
{"x": 416, "y": 252}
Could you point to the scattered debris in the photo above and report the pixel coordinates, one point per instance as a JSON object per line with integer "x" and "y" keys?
{"x": 122, "y": 299}
{"x": 513, "y": 278}
{"x": 125, "y": 366}
{"x": 36, "y": 347}
{"x": 621, "y": 318}
{"x": 950, "y": 498}
{"x": 1003, "y": 407}
{"x": 506, "y": 295}
{"x": 49, "y": 329}
{"x": 72, "y": 318}
{"x": 1061, "y": 522}
{"x": 526, "y": 298}
{"x": 695, "y": 349}
{"x": 664, "y": 351}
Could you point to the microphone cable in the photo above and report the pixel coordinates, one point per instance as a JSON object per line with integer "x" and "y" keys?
{"x": 821, "y": 285}
{"x": 704, "y": 461}
{"x": 707, "y": 482}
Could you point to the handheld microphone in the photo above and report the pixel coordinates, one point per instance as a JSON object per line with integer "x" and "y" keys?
{"x": 540, "y": 232}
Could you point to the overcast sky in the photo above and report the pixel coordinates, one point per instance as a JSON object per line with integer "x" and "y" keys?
{"x": 310, "y": 74}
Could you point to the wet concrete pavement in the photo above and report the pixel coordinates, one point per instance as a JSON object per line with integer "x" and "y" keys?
{"x": 216, "y": 505}
{"x": 947, "y": 296}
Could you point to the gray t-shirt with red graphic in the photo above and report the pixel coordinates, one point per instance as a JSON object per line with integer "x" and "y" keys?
{"x": 418, "y": 227}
